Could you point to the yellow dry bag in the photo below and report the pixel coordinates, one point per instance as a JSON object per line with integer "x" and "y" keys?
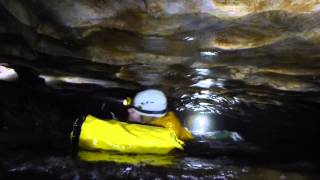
{"x": 97, "y": 134}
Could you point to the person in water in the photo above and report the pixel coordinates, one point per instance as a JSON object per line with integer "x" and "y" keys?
{"x": 150, "y": 107}
{"x": 139, "y": 134}
{"x": 50, "y": 120}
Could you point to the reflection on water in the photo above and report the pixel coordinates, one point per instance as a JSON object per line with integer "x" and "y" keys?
{"x": 207, "y": 127}
{"x": 204, "y": 101}
{"x": 184, "y": 167}
{"x": 201, "y": 123}
{"x": 135, "y": 159}
{"x": 206, "y": 83}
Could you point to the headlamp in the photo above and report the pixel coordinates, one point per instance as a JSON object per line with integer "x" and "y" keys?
{"x": 127, "y": 101}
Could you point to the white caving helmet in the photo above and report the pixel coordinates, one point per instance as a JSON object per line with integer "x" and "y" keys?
{"x": 151, "y": 102}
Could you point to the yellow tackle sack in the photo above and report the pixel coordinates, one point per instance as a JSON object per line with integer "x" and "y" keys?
{"x": 171, "y": 121}
{"x": 97, "y": 134}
